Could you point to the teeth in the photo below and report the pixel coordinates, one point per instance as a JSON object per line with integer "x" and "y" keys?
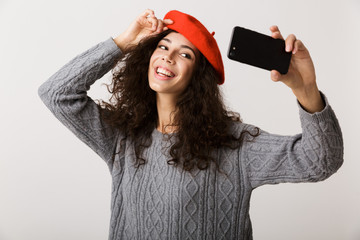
{"x": 164, "y": 72}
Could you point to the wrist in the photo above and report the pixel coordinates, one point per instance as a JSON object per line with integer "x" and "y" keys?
{"x": 310, "y": 99}
{"x": 121, "y": 42}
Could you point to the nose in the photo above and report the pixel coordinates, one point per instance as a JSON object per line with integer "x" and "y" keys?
{"x": 168, "y": 58}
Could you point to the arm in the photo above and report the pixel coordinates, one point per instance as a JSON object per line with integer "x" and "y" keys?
{"x": 312, "y": 156}
{"x": 65, "y": 94}
{"x": 301, "y": 77}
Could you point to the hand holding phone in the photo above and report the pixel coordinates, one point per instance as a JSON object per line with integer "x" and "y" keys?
{"x": 259, "y": 50}
{"x": 269, "y": 53}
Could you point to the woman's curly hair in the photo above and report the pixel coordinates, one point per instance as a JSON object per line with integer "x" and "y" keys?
{"x": 203, "y": 124}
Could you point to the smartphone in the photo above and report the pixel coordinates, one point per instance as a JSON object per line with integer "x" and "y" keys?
{"x": 258, "y": 50}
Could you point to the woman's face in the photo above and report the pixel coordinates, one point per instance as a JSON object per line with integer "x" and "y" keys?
{"x": 172, "y": 64}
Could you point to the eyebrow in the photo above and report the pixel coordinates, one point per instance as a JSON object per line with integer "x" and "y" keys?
{"x": 183, "y": 46}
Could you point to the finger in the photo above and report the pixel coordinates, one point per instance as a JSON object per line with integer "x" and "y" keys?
{"x": 148, "y": 12}
{"x": 160, "y": 26}
{"x": 275, "y": 75}
{"x": 289, "y": 43}
{"x": 274, "y": 28}
{"x": 275, "y": 32}
{"x": 146, "y": 18}
{"x": 276, "y": 35}
{"x": 168, "y": 21}
{"x": 154, "y": 22}
{"x": 298, "y": 46}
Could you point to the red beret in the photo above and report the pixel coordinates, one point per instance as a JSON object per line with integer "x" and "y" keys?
{"x": 198, "y": 35}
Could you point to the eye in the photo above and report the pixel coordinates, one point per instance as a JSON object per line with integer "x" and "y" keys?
{"x": 186, "y": 55}
{"x": 162, "y": 47}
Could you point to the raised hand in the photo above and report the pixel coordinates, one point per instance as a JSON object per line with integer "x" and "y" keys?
{"x": 144, "y": 25}
{"x": 301, "y": 76}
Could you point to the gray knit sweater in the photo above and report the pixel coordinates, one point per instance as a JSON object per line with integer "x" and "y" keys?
{"x": 160, "y": 201}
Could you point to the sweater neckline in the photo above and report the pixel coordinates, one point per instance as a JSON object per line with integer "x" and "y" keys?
{"x": 156, "y": 133}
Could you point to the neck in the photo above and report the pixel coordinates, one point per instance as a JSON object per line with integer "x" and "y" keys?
{"x": 166, "y": 108}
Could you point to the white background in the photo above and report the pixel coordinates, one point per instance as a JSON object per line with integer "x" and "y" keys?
{"x": 52, "y": 186}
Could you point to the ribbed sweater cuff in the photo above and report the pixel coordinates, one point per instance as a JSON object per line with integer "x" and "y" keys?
{"x": 112, "y": 47}
{"x": 322, "y": 116}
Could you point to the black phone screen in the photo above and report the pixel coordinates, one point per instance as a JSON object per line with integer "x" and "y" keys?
{"x": 259, "y": 50}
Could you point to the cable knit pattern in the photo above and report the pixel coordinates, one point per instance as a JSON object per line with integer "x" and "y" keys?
{"x": 160, "y": 201}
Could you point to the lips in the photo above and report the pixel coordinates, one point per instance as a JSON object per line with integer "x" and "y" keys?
{"x": 163, "y": 73}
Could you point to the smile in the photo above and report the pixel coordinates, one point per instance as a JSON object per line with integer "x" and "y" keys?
{"x": 162, "y": 72}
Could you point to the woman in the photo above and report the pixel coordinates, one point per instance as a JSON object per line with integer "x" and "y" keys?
{"x": 183, "y": 166}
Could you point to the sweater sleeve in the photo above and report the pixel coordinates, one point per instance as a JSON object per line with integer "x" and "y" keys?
{"x": 312, "y": 156}
{"x": 65, "y": 94}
